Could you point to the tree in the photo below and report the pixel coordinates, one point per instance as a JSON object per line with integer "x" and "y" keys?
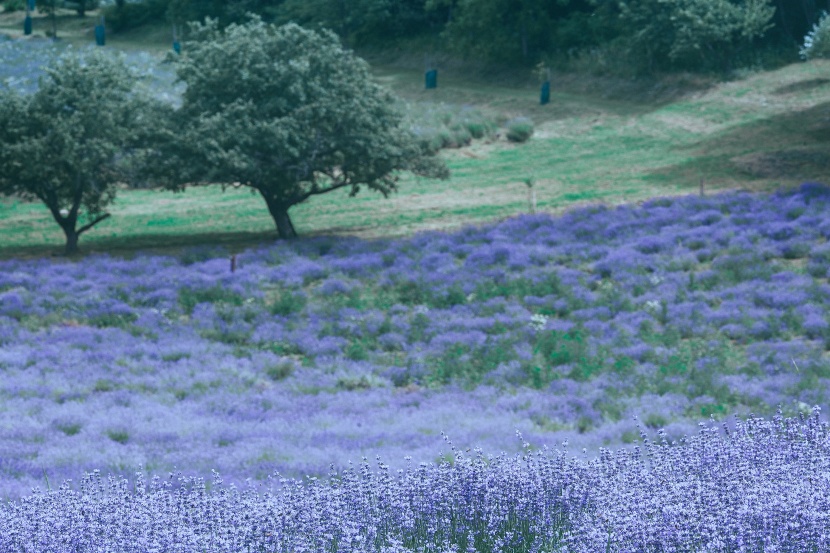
{"x": 692, "y": 33}
{"x": 50, "y": 8}
{"x": 67, "y": 144}
{"x": 287, "y": 112}
{"x": 82, "y": 6}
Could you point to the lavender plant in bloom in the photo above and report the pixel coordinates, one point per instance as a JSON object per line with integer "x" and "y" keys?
{"x": 325, "y": 350}
{"x": 760, "y": 485}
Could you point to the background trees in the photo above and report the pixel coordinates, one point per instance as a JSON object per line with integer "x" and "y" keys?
{"x": 68, "y": 144}
{"x": 637, "y": 35}
{"x": 287, "y": 112}
{"x": 692, "y": 33}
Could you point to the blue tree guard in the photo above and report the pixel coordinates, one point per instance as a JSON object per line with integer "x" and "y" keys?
{"x": 100, "y": 35}
{"x": 27, "y": 25}
{"x": 177, "y": 47}
{"x": 431, "y": 78}
{"x": 31, "y": 5}
{"x": 545, "y": 96}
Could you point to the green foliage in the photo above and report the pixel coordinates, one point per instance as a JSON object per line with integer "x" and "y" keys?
{"x": 123, "y": 16}
{"x": 289, "y": 113}
{"x": 14, "y": 5}
{"x": 225, "y": 11}
{"x": 693, "y": 33}
{"x": 817, "y": 42}
{"x": 500, "y": 30}
{"x": 189, "y": 298}
{"x": 69, "y": 429}
{"x": 288, "y": 302}
{"x": 352, "y": 383}
{"x": 518, "y": 288}
{"x": 557, "y": 349}
{"x": 468, "y": 365}
{"x": 280, "y": 371}
{"x": 356, "y": 21}
{"x": 68, "y": 145}
{"x": 519, "y": 129}
{"x": 120, "y": 436}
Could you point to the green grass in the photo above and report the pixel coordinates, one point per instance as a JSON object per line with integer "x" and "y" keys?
{"x": 761, "y": 132}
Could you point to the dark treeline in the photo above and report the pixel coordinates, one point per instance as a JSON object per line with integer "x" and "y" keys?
{"x": 641, "y": 35}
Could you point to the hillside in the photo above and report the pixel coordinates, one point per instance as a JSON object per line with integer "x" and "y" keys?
{"x": 599, "y": 140}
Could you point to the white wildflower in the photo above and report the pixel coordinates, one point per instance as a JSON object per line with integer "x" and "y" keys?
{"x": 538, "y": 321}
{"x": 653, "y": 306}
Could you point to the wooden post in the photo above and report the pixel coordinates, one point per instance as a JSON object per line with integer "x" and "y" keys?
{"x": 702, "y": 193}
{"x": 531, "y": 193}
{"x": 233, "y": 263}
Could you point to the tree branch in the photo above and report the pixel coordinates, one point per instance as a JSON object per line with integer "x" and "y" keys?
{"x": 93, "y": 223}
{"x": 315, "y": 192}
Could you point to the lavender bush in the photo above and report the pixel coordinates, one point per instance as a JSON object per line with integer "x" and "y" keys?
{"x": 763, "y": 486}
{"x": 320, "y": 351}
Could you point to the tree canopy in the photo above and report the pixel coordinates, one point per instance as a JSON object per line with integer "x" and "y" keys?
{"x": 287, "y": 112}
{"x": 67, "y": 145}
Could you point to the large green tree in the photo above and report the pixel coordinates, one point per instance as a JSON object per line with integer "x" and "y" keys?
{"x": 287, "y": 112}
{"x": 67, "y": 145}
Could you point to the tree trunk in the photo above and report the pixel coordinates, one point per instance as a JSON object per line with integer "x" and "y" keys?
{"x": 785, "y": 23}
{"x": 279, "y": 213}
{"x": 71, "y": 239}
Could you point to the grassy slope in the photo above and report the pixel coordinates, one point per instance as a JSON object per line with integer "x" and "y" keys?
{"x": 764, "y": 131}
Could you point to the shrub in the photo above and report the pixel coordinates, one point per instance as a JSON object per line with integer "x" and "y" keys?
{"x": 817, "y": 41}
{"x": 519, "y": 129}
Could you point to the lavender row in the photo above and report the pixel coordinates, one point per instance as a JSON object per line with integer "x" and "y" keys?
{"x": 23, "y": 62}
{"x": 762, "y": 487}
{"x": 323, "y": 350}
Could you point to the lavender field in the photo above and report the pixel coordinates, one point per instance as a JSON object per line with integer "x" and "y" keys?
{"x": 317, "y": 352}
